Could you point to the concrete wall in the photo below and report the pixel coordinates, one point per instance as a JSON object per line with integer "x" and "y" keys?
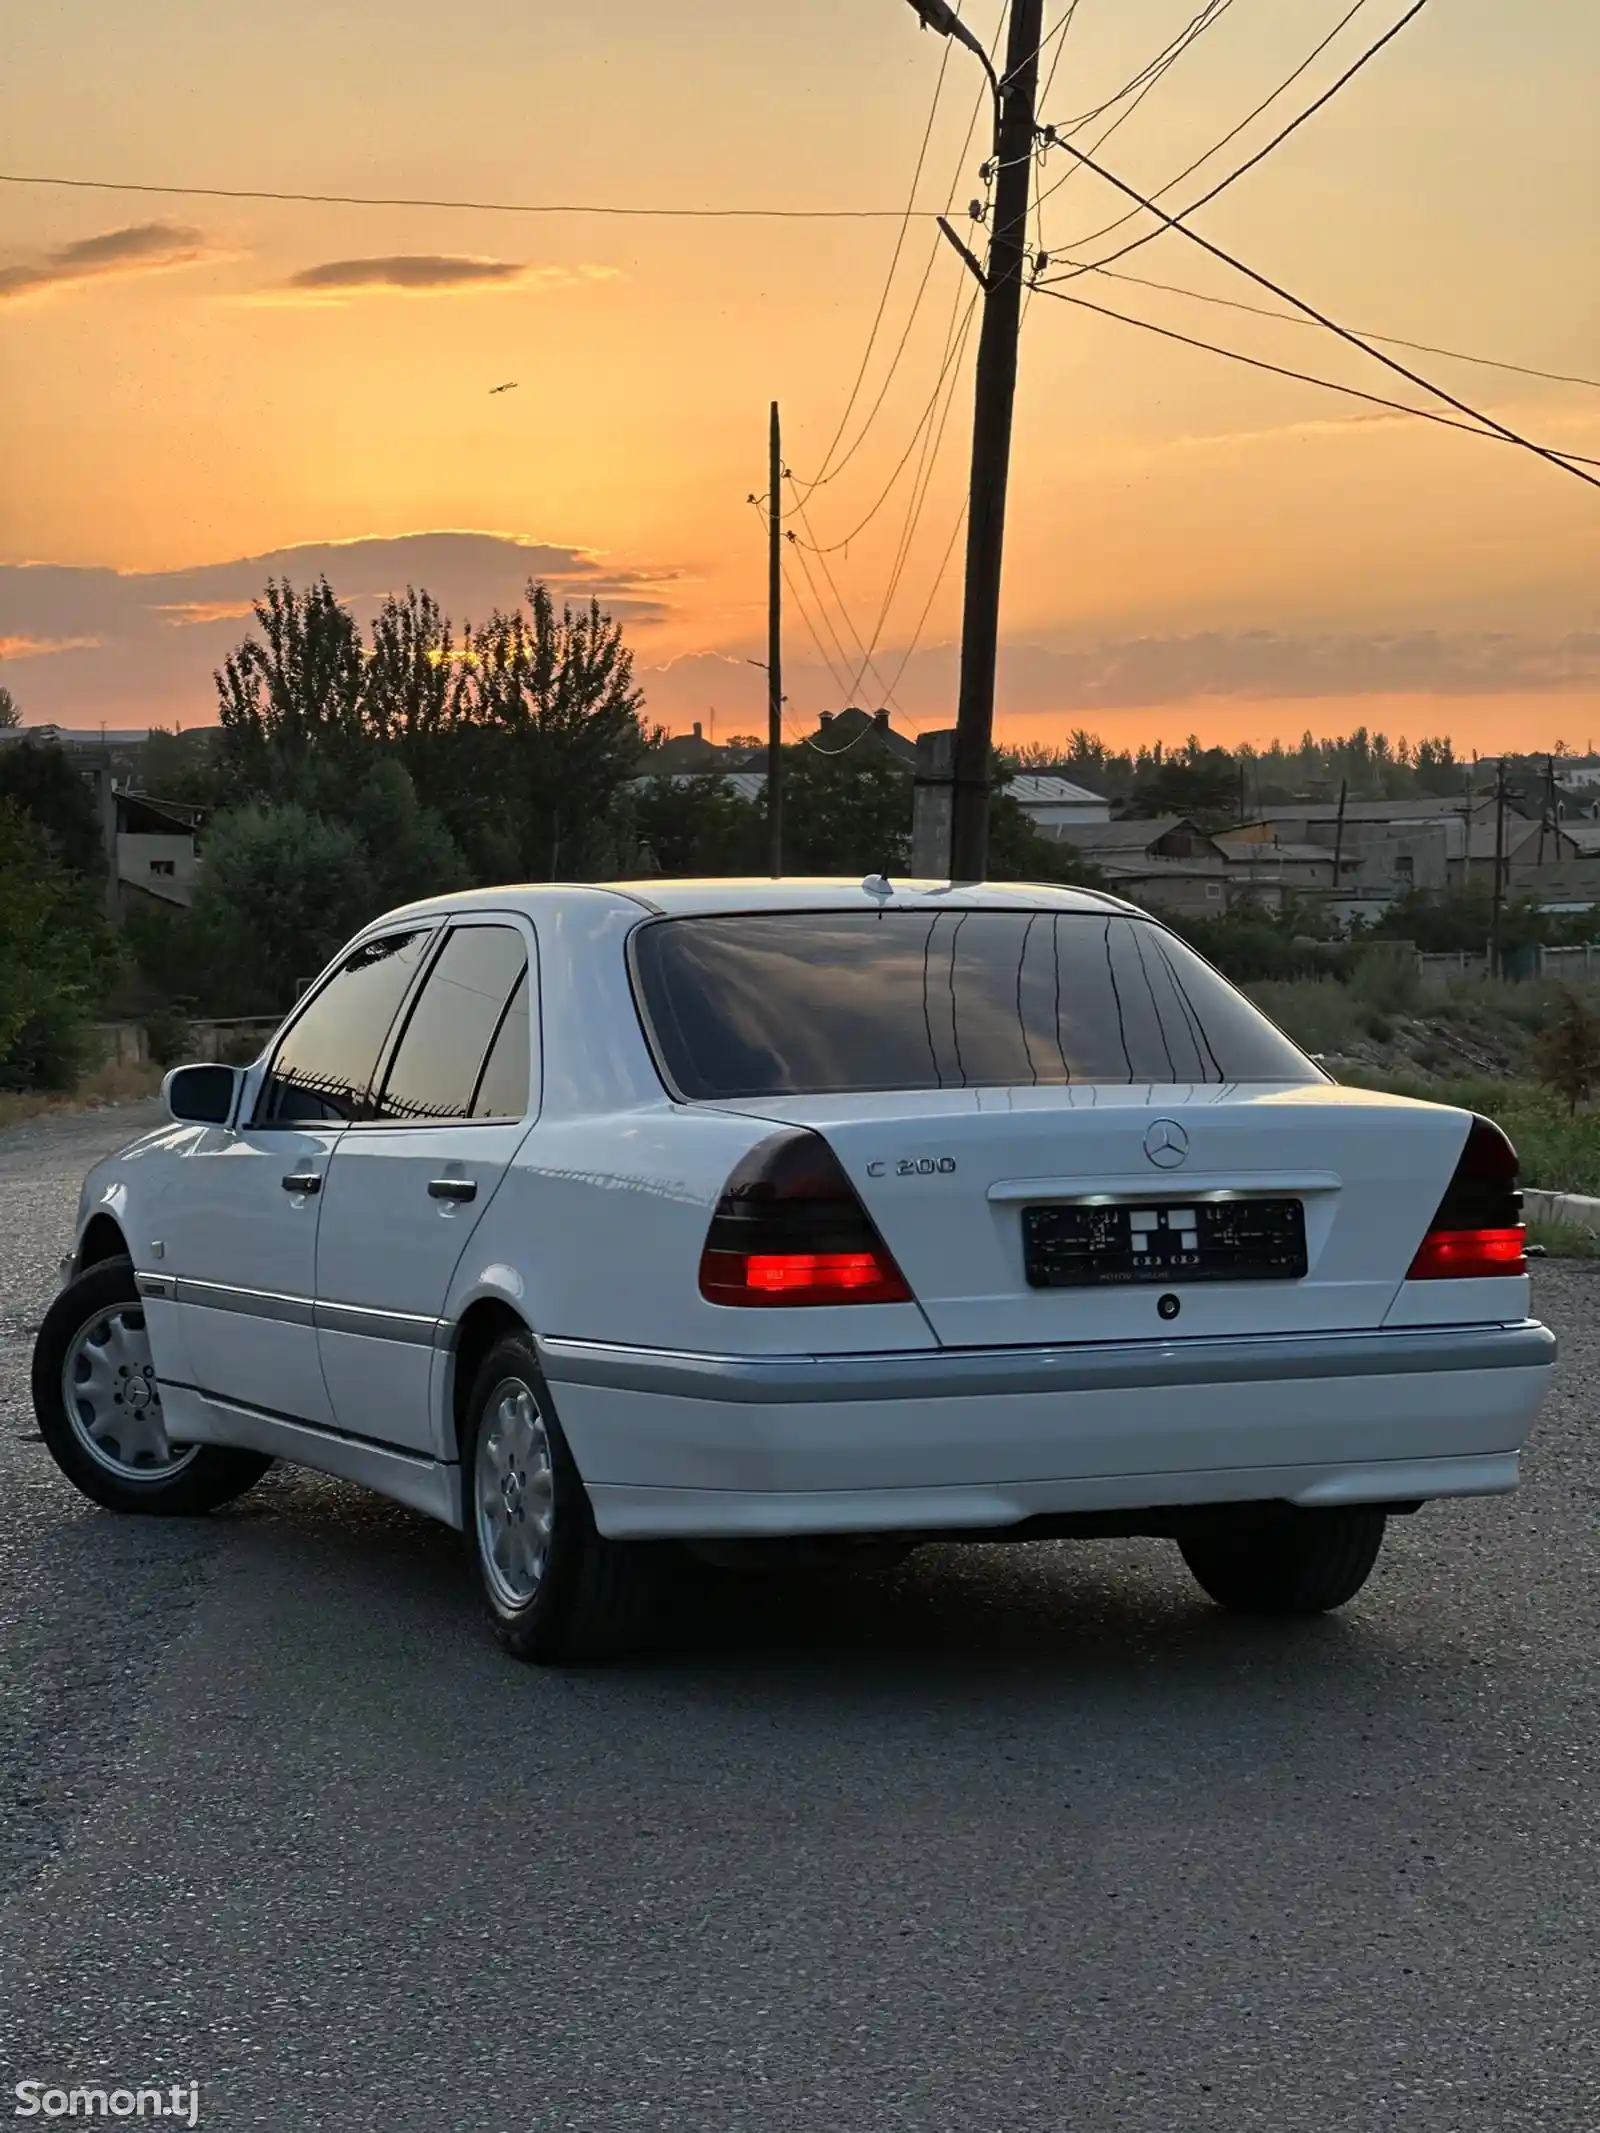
{"x": 142, "y": 862}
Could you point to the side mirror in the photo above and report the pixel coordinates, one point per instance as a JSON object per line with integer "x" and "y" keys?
{"x": 201, "y": 1095}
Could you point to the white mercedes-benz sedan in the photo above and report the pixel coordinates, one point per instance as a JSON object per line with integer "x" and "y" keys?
{"x": 767, "y": 1218}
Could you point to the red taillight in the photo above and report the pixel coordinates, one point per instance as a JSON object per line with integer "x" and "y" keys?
{"x": 1459, "y": 1254}
{"x": 790, "y": 1229}
{"x": 1478, "y": 1230}
{"x": 801, "y": 1277}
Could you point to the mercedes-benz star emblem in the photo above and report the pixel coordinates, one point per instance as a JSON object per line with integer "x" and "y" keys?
{"x": 1166, "y": 1144}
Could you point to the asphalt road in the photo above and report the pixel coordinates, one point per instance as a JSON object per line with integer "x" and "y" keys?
{"x": 1013, "y": 1839}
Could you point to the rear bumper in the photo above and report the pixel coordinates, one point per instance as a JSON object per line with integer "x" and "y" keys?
{"x": 682, "y": 1444}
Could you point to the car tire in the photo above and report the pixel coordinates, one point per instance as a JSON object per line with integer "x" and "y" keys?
{"x": 558, "y": 1592}
{"x": 98, "y": 1403}
{"x": 1298, "y": 1563}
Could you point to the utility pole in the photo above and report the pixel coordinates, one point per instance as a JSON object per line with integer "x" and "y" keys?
{"x": 994, "y": 396}
{"x": 775, "y": 643}
{"x": 1338, "y": 833}
{"x": 1498, "y": 900}
{"x": 1548, "y": 813}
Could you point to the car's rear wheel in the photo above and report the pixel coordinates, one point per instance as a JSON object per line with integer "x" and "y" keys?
{"x": 1294, "y": 1563}
{"x": 557, "y": 1591}
{"x": 98, "y": 1401}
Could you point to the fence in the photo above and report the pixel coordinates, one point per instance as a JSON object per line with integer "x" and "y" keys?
{"x": 1562, "y": 966}
{"x": 235, "y": 1041}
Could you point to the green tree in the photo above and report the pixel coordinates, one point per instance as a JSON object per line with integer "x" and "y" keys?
{"x": 1018, "y": 852}
{"x": 183, "y": 768}
{"x": 50, "y": 962}
{"x": 42, "y": 782}
{"x": 696, "y": 826}
{"x": 10, "y": 709}
{"x": 845, "y": 813}
{"x": 410, "y": 853}
{"x": 553, "y": 697}
{"x": 280, "y": 891}
{"x": 293, "y": 690}
{"x": 1566, "y": 1055}
{"x": 1199, "y": 782}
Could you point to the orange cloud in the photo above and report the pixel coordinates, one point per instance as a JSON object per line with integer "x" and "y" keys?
{"x": 422, "y": 274}
{"x": 143, "y": 248}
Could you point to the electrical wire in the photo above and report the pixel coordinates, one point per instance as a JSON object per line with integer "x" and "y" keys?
{"x": 894, "y": 264}
{"x": 833, "y": 547}
{"x": 1208, "y": 14}
{"x": 933, "y": 440}
{"x": 933, "y": 594}
{"x": 827, "y": 473}
{"x": 477, "y": 207}
{"x": 1233, "y": 176}
{"x": 1344, "y": 333}
{"x": 1123, "y": 116}
{"x": 1394, "y": 340}
{"x": 1571, "y": 460}
{"x": 851, "y": 689}
{"x": 1092, "y": 236}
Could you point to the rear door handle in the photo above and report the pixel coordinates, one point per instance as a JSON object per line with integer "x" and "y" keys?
{"x": 302, "y": 1181}
{"x": 452, "y": 1189}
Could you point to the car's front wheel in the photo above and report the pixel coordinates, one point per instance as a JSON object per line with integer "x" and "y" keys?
{"x": 1294, "y": 1563}
{"x": 98, "y": 1401}
{"x": 557, "y": 1591}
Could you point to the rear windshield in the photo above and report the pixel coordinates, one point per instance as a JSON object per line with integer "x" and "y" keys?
{"x": 813, "y": 1003}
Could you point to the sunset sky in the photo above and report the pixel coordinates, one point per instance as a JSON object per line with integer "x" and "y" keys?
{"x": 197, "y": 391}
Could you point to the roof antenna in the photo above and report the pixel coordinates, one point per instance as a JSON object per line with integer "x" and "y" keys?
{"x": 878, "y": 885}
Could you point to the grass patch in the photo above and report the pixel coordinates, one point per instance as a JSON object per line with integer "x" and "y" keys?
{"x": 1558, "y": 1152}
{"x": 1320, "y": 1014}
{"x": 1564, "y": 1240}
{"x": 113, "y": 1083}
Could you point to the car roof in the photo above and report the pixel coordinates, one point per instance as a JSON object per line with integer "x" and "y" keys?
{"x": 705, "y": 898}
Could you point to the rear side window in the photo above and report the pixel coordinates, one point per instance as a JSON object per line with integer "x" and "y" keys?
{"x": 812, "y": 1003}
{"x": 470, "y": 1016}
{"x": 322, "y": 1071}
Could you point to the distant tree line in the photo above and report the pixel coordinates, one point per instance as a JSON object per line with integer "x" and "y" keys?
{"x": 1218, "y": 786}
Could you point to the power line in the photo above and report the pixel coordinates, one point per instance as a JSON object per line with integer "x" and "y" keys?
{"x": 1277, "y": 141}
{"x": 867, "y": 663}
{"x": 837, "y": 673}
{"x": 1292, "y": 318}
{"x": 1154, "y": 67}
{"x": 830, "y": 472}
{"x": 1571, "y": 460}
{"x": 933, "y": 594}
{"x": 921, "y": 484}
{"x": 833, "y": 547}
{"x": 1344, "y": 333}
{"x": 1174, "y": 53}
{"x": 894, "y": 263}
{"x": 478, "y": 207}
{"x": 1217, "y": 146}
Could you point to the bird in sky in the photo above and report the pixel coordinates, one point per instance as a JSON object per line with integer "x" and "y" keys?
{"x": 509, "y": 387}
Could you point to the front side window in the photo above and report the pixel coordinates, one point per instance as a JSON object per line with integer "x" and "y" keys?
{"x": 814, "y": 1003}
{"x": 322, "y": 1071}
{"x": 464, "y": 1053}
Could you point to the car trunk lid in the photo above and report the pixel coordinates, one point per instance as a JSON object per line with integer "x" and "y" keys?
{"x": 949, "y": 1177}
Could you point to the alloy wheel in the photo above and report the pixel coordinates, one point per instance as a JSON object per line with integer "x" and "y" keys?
{"x": 514, "y": 1494}
{"x": 113, "y": 1399}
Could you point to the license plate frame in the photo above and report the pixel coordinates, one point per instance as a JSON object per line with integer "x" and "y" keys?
{"x": 1167, "y": 1243}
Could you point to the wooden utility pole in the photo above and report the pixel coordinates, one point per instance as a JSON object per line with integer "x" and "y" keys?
{"x": 1547, "y": 813}
{"x": 1497, "y": 902}
{"x": 994, "y": 396}
{"x": 1338, "y": 833}
{"x": 775, "y": 644}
